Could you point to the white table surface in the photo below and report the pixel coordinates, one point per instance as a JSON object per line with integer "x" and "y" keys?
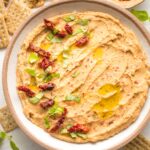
{"x": 25, "y": 143}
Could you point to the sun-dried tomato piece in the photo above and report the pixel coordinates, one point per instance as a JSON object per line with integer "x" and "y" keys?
{"x": 39, "y": 51}
{"x": 79, "y": 128}
{"x": 49, "y": 24}
{"x": 68, "y": 29}
{"x": 45, "y": 63}
{"x": 47, "y": 104}
{"x": 59, "y": 122}
{"x": 61, "y": 34}
{"x": 26, "y": 90}
{"x": 48, "y": 86}
{"x": 82, "y": 41}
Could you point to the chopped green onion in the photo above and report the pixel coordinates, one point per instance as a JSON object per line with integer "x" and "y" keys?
{"x": 83, "y": 136}
{"x": 83, "y": 22}
{"x": 69, "y": 18}
{"x": 39, "y": 95}
{"x": 78, "y": 134}
{"x": 31, "y": 72}
{"x": 72, "y": 98}
{"x": 34, "y": 100}
{"x": 56, "y": 40}
{"x": 65, "y": 55}
{"x": 55, "y": 110}
{"x": 59, "y": 110}
{"x": 40, "y": 76}
{"x": 84, "y": 29}
{"x": 73, "y": 135}
{"x": 78, "y": 31}
{"x": 37, "y": 98}
{"x": 33, "y": 57}
{"x": 64, "y": 131}
{"x": 46, "y": 122}
{"x": 50, "y": 36}
{"x": 69, "y": 126}
{"x": 55, "y": 31}
{"x": 55, "y": 75}
{"x": 48, "y": 69}
{"x": 75, "y": 74}
{"x": 49, "y": 77}
{"x": 142, "y": 15}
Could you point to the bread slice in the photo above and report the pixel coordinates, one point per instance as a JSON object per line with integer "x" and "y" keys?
{"x": 34, "y": 3}
{"x": 2, "y": 7}
{"x": 4, "y": 36}
{"x": 15, "y": 15}
{"x": 6, "y": 120}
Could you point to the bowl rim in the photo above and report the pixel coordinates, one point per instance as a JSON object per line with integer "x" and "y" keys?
{"x": 124, "y": 12}
{"x": 129, "y": 4}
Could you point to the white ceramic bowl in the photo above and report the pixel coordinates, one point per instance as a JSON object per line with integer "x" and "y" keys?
{"x": 9, "y": 75}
